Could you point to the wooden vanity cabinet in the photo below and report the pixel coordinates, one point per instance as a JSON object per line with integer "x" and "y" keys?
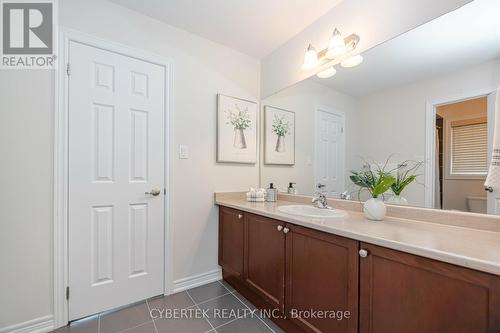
{"x": 321, "y": 274}
{"x": 231, "y": 242}
{"x": 400, "y": 292}
{"x": 264, "y": 268}
{"x": 279, "y": 265}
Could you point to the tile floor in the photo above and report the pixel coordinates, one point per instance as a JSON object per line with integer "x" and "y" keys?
{"x": 209, "y": 299}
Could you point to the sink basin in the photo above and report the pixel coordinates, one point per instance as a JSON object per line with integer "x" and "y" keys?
{"x": 311, "y": 211}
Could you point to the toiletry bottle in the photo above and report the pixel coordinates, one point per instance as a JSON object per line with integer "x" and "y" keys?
{"x": 272, "y": 193}
{"x": 291, "y": 189}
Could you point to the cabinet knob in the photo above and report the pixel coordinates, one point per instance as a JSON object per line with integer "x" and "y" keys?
{"x": 279, "y": 227}
{"x": 240, "y": 216}
{"x": 363, "y": 253}
{"x": 286, "y": 230}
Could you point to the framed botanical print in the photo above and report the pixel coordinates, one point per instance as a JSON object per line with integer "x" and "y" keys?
{"x": 279, "y": 136}
{"x": 236, "y": 130}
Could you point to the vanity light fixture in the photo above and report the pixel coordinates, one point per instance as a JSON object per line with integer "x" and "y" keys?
{"x": 326, "y": 73}
{"x": 338, "y": 50}
{"x": 352, "y": 61}
{"x": 336, "y": 46}
{"x": 310, "y": 59}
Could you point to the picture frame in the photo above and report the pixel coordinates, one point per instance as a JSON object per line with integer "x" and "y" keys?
{"x": 279, "y": 136}
{"x": 237, "y": 123}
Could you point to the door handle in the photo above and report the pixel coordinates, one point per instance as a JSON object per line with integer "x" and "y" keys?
{"x": 279, "y": 227}
{"x": 286, "y": 230}
{"x": 154, "y": 192}
{"x": 488, "y": 188}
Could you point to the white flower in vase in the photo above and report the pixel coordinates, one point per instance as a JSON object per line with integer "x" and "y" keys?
{"x": 281, "y": 128}
{"x": 240, "y": 120}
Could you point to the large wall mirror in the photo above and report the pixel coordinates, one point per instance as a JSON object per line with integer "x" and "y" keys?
{"x": 420, "y": 105}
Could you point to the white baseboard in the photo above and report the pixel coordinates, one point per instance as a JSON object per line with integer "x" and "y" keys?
{"x": 38, "y": 325}
{"x": 197, "y": 280}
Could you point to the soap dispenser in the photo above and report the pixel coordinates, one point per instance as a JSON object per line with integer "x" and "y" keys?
{"x": 291, "y": 189}
{"x": 272, "y": 193}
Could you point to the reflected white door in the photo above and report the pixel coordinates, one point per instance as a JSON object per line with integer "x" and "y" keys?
{"x": 330, "y": 151}
{"x": 116, "y": 155}
{"x": 493, "y": 200}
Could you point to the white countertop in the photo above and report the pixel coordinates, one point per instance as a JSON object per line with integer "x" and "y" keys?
{"x": 466, "y": 247}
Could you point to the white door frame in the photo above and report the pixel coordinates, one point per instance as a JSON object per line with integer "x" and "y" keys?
{"x": 61, "y": 149}
{"x": 430, "y": 136}
{"x": 338, "y": 113}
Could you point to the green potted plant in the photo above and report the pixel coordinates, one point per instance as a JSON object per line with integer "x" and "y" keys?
{"x": 405, "y": 175}
{"x": 376, "y": 182}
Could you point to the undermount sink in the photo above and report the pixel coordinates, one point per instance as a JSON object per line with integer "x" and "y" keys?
{"x": 311, "y": 211}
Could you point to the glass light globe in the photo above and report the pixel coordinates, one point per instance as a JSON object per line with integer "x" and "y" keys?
{"x": 326, "y": 73}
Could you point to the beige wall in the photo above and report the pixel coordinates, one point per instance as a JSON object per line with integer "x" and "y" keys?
{"x": 375, "y": 21}
{"x": 399, "y": 115}
{"x": 26, "y": 126}
{"x": 201, "y": 70}
{"x": 455, "y": 191}
{"x": 304, "y": 98}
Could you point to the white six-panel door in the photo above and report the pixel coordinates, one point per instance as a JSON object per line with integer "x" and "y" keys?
{"x": 329, "y": 151}
{"x": 116, "y": 155}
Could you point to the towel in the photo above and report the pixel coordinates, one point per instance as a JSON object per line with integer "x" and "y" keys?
{"x": 493, "y": 178}
{"x": 256, "y": 195}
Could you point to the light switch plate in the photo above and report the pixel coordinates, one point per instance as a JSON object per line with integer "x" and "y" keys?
{"x": 183, "y": 152}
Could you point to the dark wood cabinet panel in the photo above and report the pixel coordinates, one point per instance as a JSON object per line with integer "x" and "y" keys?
{"x": 400, "y": 292}
{"x": 265, "y": 258}
{"x": 385, "y": 291}
{"x": 231, "y": 241}
{"x": 321, "y": 274}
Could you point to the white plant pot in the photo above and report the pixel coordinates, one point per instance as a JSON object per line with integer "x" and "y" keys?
{"x": 374, "y": 209}
{"x": 398, "y": 200}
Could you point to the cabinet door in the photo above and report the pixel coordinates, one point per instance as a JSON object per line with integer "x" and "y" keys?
{"x": 231, "y": 230}
{"x": 400, "y": 292}
{"x": 322, "y": 274}
{"x": 265, "y": 258}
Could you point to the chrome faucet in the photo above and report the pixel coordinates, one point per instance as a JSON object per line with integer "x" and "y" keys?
{"x": 319, "y": 199}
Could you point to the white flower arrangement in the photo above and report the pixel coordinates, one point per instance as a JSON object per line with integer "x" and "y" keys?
{"x": 239, "y": 119}
{"x": 281, "y": 127}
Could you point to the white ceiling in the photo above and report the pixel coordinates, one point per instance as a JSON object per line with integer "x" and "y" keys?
{"x": 465, "y": 37}
{"x": 254, "y": 27}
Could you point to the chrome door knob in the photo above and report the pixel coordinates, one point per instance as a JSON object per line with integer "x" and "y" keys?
{"x": 363, "y": 253}
{"x": 240, "y": 216}
{"x": 154, "y": 192}
{"x": 280, "y": 227}
{"x": 286, "y": 230}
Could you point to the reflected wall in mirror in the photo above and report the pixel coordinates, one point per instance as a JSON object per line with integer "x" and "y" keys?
{"x": 424, "y": 99}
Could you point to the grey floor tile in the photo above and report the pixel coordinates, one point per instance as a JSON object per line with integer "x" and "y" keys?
{"x": 207, "y": 291}
{"x": 227, "y": 285}
{"x": 275, "y": 328}
{"x": 268, "y": 321}
{"x": 247, "y": 325}
{"x": 122, "y": 319}
{"x": 176, "y": 301}
{"x": 87, "y": 325}
{"x": 244, "y": 300}
{"x": 182, "y": 325}
{"x": 224, "y": 309}
{"x": 144, "y": 328}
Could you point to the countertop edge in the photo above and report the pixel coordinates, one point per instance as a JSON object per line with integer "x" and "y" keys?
{"x": 448, "y": 257}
